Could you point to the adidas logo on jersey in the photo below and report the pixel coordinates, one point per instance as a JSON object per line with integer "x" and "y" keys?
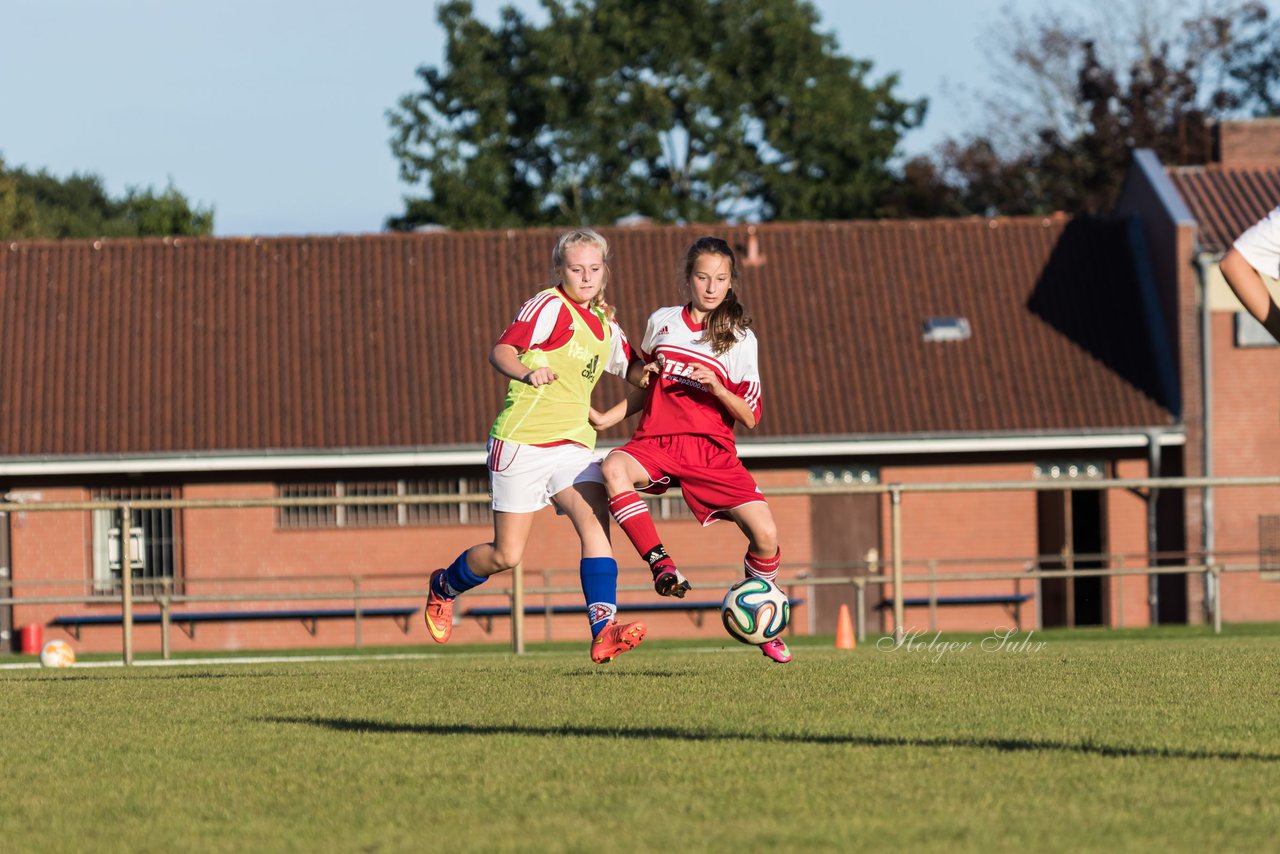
{"x": 666, "y": 330}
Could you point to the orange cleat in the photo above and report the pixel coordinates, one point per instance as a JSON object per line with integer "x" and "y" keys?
{"x": 614, "y": 640}
{"x": 438, "y": 613}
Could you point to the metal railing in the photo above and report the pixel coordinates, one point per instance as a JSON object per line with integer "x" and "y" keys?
{"x": 516, "y": 592}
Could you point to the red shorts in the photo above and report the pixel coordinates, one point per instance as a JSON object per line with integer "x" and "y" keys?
{"x": 714, "y": 480}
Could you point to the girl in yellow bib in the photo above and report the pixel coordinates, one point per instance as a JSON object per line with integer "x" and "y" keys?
{"x": 541, "y": 447}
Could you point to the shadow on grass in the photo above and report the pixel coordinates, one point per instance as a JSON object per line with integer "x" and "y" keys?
{"x": 1001, "y": 745}
{"x": 138, "y": 676}
{"x": 600, "y": 673}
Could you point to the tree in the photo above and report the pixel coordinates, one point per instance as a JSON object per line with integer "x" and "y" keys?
{"x": 164, "y": 213}
{"x": 695, "y": 110}
{"x": 1078, "y": 96}
{"x": 41, "y": 205}
{"x": 1242, "y": 46}
{"x": 17, "y": 212}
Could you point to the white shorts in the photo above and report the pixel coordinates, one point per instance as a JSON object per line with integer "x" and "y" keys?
{"x": 522, "y": 478}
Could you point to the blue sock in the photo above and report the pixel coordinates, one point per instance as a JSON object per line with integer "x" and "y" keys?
{"x": 600, "y": 589}
{"x": 457, "y": 579}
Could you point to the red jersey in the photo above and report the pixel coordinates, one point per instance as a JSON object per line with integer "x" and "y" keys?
{"x": 546, "y": 323}
{"x": 677, "y": 404}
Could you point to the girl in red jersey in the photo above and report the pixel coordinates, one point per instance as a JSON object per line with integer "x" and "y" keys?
{"x": 541, "y": 445}
{"x": 703, "y": 380}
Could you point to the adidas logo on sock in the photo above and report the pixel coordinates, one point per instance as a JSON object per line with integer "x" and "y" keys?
{"x": 655, "y": 554}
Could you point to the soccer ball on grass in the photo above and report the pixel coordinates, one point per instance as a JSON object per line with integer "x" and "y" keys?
{"x": 57, "y": 653}
{"x": 755, "y": 611}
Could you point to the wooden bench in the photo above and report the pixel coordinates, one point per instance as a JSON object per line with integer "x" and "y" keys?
{"x": 187, "y": 620}
{"x": 695, "y": 608}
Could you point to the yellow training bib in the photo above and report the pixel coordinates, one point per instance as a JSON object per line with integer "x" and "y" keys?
{"x": 558, "y": 410}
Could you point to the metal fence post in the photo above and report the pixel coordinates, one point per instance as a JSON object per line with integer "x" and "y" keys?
{"x": 355, "y": 587}
{"x": 546, "y": 605}
{"x": 895, "y": 525}
{"x": 873, "y": 569}
{"x": 165, "y": 651}
{"x": 811, "y": 617}
{"x": 933, "y": 595}
{"x": 517, "y": 609}
{"x": 126, "y": 582}
{"x": 1069, "y": 556}
{"x": 1039, "y": 593}
{"x": 860, "y": 606}
{"x": 1215, "y": 574}
{"x": 1117, "y": 584}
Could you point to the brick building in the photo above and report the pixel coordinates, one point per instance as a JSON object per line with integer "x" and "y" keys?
{"x": 1229, "y": 389}
{"x": 907, "y": 351}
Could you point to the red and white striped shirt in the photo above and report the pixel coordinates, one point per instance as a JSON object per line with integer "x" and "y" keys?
{"x": 677, "y": 404}
{"x": 546, "y": 323}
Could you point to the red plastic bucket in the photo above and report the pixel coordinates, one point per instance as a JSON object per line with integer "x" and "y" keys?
{"x": 32, "y": 639}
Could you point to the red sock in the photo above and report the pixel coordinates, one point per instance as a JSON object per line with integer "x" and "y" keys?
{"x": 762, "y": 567}
{"x": 632, "y": 516}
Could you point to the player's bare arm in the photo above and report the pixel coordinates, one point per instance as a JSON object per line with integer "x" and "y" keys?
{"x": 639, "y": 374}
{"x": 604, "y": 420}
{"x": 621, "y": 410}
{"x": 1248, "y": 286}
{"x": 506, "y": 359}
{"x": 734, "y": 405}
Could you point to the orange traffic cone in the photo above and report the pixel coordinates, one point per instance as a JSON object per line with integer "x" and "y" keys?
{"x": 844, "y": 630}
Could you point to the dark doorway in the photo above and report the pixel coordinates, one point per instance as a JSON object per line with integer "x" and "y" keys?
{"x": 1171, "y": 590}
{"x": 845, "y": 528}
{"x": 1071, "y": 536}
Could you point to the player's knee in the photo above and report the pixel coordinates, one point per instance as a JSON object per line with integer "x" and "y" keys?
{"x": 611, "y": 466}
{"x": 764, "y": 540}
{"x": 505, "y": 560}
{"x": 614, "y": 469}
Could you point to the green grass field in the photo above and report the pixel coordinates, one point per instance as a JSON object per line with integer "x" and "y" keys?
{"x": 1121, "y": 740}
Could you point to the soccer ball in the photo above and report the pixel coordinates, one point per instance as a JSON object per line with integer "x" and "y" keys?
{"x": 755, "y": 611}
{"x": 57, "y": 653}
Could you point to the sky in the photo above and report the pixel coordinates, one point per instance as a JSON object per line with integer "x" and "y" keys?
{"x": 273, "y": 112}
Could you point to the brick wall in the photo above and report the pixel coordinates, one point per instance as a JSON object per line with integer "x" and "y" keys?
{"x": 1251, "y": 141}
{"x": 1189, "y": 369}
{"x": 49, "y": 553}
{"x": 992, "y": 525}
{"x": 1246, "y": 425}
{"x": 1127, "y": 539}
{"x": 237, "y": 551}
{"x": 242, "y": 551}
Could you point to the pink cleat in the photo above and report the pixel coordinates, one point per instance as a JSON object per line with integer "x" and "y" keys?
{"x": 615, "y": 640}
{"x": 776, "y": 650}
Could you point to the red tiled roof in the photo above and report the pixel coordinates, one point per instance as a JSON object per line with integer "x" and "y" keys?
{"x": 217, "y": 345}
{"x": 1225, "y": 200}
